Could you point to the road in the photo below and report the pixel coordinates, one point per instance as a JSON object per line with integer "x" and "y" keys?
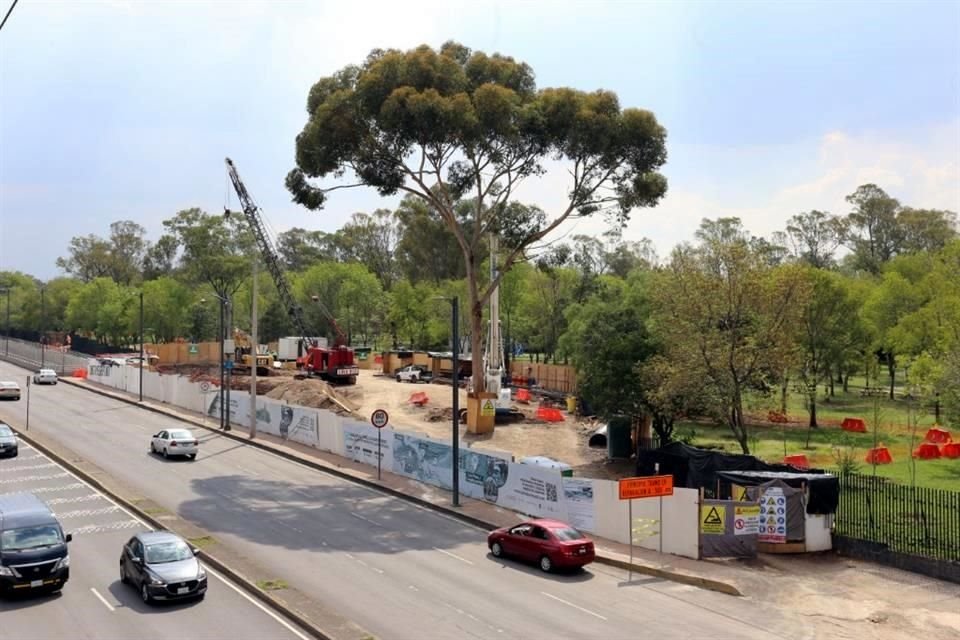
{"x": 94, "y": 604}
{"x": 396, "y": 569}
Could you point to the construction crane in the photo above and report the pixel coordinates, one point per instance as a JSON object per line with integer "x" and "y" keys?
{"x": 335, "y": 365}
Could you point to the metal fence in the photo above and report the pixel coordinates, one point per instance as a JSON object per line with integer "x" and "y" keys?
{"x": 34, "y": 356}
{"x": 918, "y": 521}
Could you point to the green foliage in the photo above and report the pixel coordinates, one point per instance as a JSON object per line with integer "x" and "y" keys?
{"x": 216, "y": 249}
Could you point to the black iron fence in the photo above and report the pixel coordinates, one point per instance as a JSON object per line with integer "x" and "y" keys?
{"x": 917, "y": 521}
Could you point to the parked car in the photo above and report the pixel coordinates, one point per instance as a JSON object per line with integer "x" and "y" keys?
{"x": 175, "y": 442}
{"x": 162, "y": 566}
{"x": 9, "y": 445}
{"x": 33, "y": 547}
{"x": 414, "y": 373}
{"x": 550, "y": 543}
{"x": 9, "y": 390}
{"x": 45, "y": 376}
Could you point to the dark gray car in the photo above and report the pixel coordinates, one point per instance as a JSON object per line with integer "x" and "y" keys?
{"x": 9, "y": 445}
{"x": 162, "y": 566}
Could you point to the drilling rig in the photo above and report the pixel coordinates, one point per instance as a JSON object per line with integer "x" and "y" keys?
{"x": 335, "y": 365}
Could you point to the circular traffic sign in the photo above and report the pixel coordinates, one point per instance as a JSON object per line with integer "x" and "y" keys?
{"x": 379, "y": 418}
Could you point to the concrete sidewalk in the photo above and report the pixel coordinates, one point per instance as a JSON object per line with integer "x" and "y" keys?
{"x": 715, "y": 576}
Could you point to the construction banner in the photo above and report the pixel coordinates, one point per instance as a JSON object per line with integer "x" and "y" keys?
{"x": 713, "y": 519}
{"x": 728, "y": 529}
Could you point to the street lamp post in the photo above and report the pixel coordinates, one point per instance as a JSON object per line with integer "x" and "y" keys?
{"x": 43, "y": 313}
{"x": 6, "y": 348}
{"x": 455, "y": 312}
{"x": 141, "y": 347}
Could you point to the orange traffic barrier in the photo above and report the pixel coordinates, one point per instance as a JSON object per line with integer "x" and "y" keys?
{"x": 927, "y": 451}
{"x": 79, "y": 372}
{"x": 549, "y": 414}
{"x": 950, "y": 450}
{"x": 420, "y": 398}
{"x": 938, "y": 435}
{"x": 879, "y": 455}
{"x": 854, "y": 424}
{"x": 797, "y": 460}
{"x": 523, "y": 395}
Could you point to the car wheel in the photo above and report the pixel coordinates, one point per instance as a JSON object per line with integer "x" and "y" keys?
{"x": 192, "y": 456}
{"x": 496, "y": 549}
{"x": 153, "y": 448}
{"x": 546, "y": 564}
{"x": 144, "y": 594}
{"x": 398, "y": 379}
{"x": 201, "y": 597}
{"x": 165, "y": 454}
{"x": 123, "y": 574}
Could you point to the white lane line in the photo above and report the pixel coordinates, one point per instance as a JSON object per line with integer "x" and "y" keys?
{"x": 86, "y": 512}
{"x": 570, "y": 604}
{"x": 33, "y": 478}
{"x": 453, "y": 555}
{"x": 412, "y": 588}
{"x": 292, "y": 629}
{"x": 357, "y": 515}
{"x": 28, "y": 468}
{"x": 102, "y": 599}
{"x": 66, "y": 487}
{"x": 87, "y": 498}
{"x": 247, "y": 471}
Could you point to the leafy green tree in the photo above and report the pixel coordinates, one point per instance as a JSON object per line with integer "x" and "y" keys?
{"x": 410, "y": 313}
{"x": 726, "y": 314}
{"x": 300, "y": 249}
{"x": 120, "y": 256}
{"x": 160, "y": 258}
{"x": 453, "y": 124}
{"x": 334, "y": 292}
{"x": 926, "y": 229}
{"x": 873, "y": 232}
{"x": 894, "y": 298}
{"x": 371, "y": 240}
{"x": 426, "y": 249}
{"x": 89, "y": 258}
{"x": 815, "y": 237}
{"x": 167, "y": 310}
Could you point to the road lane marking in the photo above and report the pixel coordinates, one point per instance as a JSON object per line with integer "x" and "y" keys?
{"x": 357, "y": 515}
{"x": 292, "y": 629}
{"x": 86, "y": 512}
{"x": 247, "y": 471}
{"x": 87, "y": 498}
{"x": 66, "y": 487}
{"x": 453, "y": 555}
{"x": 570, "y": 604}
{"x": 110, "y": 526}
{"x": 413, "y": 587}
{"x": 33, "y": 478}
{"x": 28, "y": 468}
{"x": 102, "y": 599}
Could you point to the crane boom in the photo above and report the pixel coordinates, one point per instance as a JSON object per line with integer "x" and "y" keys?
{"x": 269, "y": 252}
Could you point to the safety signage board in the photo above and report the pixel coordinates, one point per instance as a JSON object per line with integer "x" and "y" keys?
{"x": 712, "y": 519}
{"x": 773, "y": 516}
{"x": 379, "y": 418}
{"x": 488, "y": 409}
{"x": 192, "y": 349}
{"x": 746, "y": 520}
{"x": 645, "y": 487}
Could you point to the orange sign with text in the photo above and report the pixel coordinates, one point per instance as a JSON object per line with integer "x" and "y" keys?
{"x": 646, "y": 487}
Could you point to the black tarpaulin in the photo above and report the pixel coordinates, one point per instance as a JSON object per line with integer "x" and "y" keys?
{"x": 823, "y": 488}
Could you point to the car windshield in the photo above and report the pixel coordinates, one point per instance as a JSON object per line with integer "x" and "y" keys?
{"x": 172, "y": 551}
{"x": 567, "y": 533}
{"x": 181, "y": 434}
{"x": 5, "y": 430}
{"x": 30, "y": 537}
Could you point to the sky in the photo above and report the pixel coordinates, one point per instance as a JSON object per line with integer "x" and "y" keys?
{"x": 113, "y": 110}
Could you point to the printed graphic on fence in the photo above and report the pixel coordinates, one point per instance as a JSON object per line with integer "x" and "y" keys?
{"x": 746, "y": 521}
{"x": 773, "y": 516}
{"x": 360, "y": 444}
{"x": 712, "y": 519}
{"x": 578, "y": 493}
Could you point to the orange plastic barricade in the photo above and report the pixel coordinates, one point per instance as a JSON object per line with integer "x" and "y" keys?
{"x": 854, "y": 424}
{"x": 798, "y": 460}
{"x": 420, "y": 398}
{"x": 938, "y": 435}
{"x": 79, "y": 372}
{"x": 549, "y": 414}
{"x": 879, "y": 455}
{"x": 523, "y": 395}
{"x": 950, "y": 450}
{"x": 927, "y": 451}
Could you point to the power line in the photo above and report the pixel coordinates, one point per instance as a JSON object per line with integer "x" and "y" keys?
{"x": 9, "y": 11}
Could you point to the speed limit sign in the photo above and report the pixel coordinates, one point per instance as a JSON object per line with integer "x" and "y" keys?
{"x": 379, "y": 418}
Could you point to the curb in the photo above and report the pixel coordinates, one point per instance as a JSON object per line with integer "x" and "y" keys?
{"x": 682, "y": 578}
{"x": 238, "y": 578}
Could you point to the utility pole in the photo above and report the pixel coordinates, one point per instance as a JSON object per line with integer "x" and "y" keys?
{"x": 226, "y": 411}
{"x": 222, "y": 371}
{"x": 141, "y": 346}
{"x": 43, "y": 314}
{"x": 254, "y": 341}
{"x": 7, "y": 345}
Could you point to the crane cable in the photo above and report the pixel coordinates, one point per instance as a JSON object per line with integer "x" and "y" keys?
{"x": 9, "y": 11}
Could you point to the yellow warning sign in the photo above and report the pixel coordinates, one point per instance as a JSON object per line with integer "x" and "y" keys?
{"x": 738, "y": 493}
{"x": 712, "y": 519}
{"x": 488, "y": 409}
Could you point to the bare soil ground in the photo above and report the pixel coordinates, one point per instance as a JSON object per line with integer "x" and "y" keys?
{"x": 563, "y": 441}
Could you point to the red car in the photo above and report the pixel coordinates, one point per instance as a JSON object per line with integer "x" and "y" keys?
{"x": 550, "y": 543}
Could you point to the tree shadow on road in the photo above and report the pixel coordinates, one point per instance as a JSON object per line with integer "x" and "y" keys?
{"x": 320, "y": 517}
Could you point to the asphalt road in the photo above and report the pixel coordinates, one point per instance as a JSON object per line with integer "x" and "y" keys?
{"x": 398, "y": 570}
{"x": 94, "y": 604}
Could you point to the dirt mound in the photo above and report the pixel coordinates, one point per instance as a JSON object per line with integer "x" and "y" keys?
{"x": 312, "y": 393}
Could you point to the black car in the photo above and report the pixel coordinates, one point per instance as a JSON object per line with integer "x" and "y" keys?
{"x": 9, "y": 445}
{"x": 33, "y": 548}
{"x": 162, "y": 566}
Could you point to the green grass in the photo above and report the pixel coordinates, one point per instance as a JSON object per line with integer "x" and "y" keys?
{"x": 829, "y": 441}
{"x": 202, "y": 541}
{"x": 271, "y": 585}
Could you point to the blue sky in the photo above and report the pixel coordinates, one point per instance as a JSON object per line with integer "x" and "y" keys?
{"x": 125, "y": 110}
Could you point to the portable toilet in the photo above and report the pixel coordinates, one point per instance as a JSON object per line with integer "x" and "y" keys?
{"x": 619, "y": 443}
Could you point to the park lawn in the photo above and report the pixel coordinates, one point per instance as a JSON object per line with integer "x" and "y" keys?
{"x": 828, "y": 445}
